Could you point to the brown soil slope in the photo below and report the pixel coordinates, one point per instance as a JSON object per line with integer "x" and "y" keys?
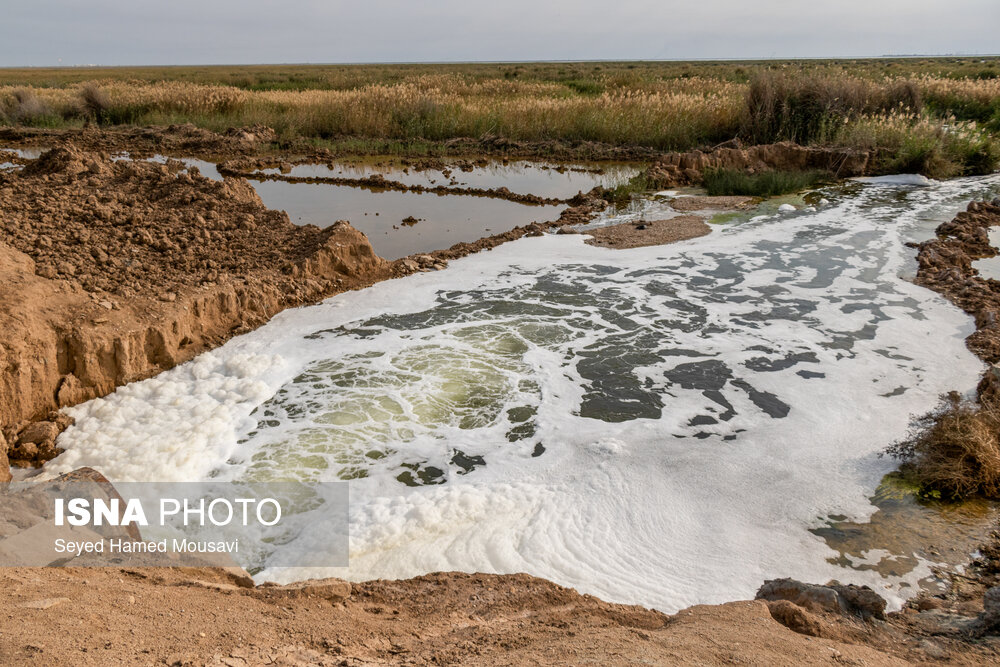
{"x": 201, "y": 617}
{"x": 116, "y": 271}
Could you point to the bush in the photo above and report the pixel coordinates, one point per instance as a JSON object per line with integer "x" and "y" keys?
{"x": 95, "y": 102}
{"x": 809, "y": 108}
{"x": 721, "y": 182}
{"x": 26, "y": 108}
{"x": 955, "y": 451}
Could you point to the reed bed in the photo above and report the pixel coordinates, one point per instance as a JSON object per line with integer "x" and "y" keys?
{"x": 938, "y": 116}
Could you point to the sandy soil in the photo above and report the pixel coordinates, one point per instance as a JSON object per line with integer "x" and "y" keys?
{"x": 646, "y": 233}
{"x": 202, "y": 617}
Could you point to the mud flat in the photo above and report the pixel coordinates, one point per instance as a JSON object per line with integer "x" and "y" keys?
{"x": 653, "y": 232}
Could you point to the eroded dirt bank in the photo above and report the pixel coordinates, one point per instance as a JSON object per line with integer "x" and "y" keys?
{"x": 679, "y": 169}
{"x": 79, "y": 616}
{"x": 116, "y": 271}
{"x": 945, "y": 266}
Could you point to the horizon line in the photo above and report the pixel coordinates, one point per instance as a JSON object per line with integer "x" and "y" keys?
{"x": 518, "y": 62}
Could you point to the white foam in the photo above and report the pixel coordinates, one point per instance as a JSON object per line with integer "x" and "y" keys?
{"x": 625, "y": 510}
{"x": 896, "y": 179}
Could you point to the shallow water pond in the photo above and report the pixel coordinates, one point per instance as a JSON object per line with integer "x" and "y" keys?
{"x": 401, "y": 223}
{"x": 545, "y": 179}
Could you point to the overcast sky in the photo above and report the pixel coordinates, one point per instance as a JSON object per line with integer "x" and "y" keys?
{"x": 147, "y": 32}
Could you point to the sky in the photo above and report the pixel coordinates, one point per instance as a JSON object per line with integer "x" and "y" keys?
{"x": 183, "y": 32}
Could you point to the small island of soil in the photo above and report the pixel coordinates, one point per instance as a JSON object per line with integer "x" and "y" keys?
{"x": 647, "y": 233}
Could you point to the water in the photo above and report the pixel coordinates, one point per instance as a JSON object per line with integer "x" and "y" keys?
{"x": 545, "y": 179}
{"x": 663, "y": 426}
{"x": 990, "y": 266}
{"x": 442, "y": 220}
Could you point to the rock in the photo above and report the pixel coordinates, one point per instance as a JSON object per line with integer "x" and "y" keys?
{"x": 334, "y": 590}
{"x": 857, "y": 600}
{"x": 990, "y": 617}
{"x": 933, "y": 649}
{"x": 410, "y": 265}
{"x": 38, "y": 433}
{"x": 47, "y": 603}
{"x": 795, "y": 618}
{"x": 862, "y": 601}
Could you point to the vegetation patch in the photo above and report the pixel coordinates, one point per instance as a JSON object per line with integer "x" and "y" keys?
{"x": 936, "y": 116}
{"x": 724, "y": 182}
{"x": 954, "y": 452}
{"x": 622, "y": 192}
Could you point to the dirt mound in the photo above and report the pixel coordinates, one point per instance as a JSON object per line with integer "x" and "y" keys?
{"x": 184, "y": 139}
{"x": 679, "y": 169}
{"x": 129, "y": 228}
{"x": 115, "y": 271}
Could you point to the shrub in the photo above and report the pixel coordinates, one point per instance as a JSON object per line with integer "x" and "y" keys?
{"x": 721, "y": 182}
{"x": 809, "y": 107}
{"x": 26, "y": 108}
{"x": 955, "y": 451}
{"x": 95, "y": 102}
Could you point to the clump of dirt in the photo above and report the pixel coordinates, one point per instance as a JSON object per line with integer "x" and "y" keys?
{"x": 77, "y": 616}
{"x": 945, "y": 266}
{"x": 647, "y": 233}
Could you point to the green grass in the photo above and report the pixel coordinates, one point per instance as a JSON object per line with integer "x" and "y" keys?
{"x": 622, "y": 192}
{"x": 722, "y": 182}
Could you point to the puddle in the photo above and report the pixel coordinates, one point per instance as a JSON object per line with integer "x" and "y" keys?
{"x": 908, "y": 536}
{"x": 990, "y": 267}
{"x": 441, "y": 220}
{"x": 544, "y": 179}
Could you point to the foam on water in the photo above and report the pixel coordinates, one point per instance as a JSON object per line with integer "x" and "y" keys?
{"x": 659, "y": 426}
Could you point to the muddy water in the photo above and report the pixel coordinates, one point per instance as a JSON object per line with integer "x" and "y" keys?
{"x": 550, "y": 180}
{"x": 910, "y": 535}
{"x": 441, "y": 220}
{"x": 990, "y": 267}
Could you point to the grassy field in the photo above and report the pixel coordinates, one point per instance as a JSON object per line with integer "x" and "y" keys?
{"x": 940, "y": 116}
